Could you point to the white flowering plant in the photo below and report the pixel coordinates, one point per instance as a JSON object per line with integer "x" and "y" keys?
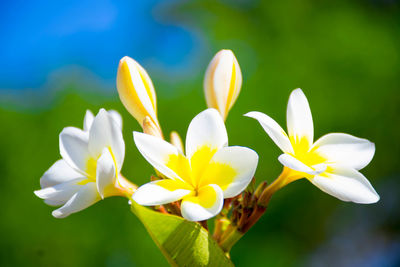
{"x": 203, "y": 178}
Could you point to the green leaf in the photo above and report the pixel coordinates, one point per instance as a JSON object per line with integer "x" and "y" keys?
{"x": 183, "y": 243}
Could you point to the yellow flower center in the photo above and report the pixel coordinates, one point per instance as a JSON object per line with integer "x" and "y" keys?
{"x": 200, "y": 171}
{"x": 91, "y": 169}
{"x": 303, "y": 152}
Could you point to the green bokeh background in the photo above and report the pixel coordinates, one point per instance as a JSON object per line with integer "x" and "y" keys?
{"x": 343, "y": 54}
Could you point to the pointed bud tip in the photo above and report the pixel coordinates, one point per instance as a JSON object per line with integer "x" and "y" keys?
{"x": 125, "y": 58}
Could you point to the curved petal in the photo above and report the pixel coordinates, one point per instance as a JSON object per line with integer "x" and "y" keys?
{"x": 116, "y": 116}
{"x": 299, "y": 119}
{"x": 105, "y": 132}
{"x": 84, "y": 198}
{"x": 231, "y": 168}
{"x": 160, "y": 192}
{"x": 207, "y": 128}
{"x": 206, "y": 204}
{"x": 273, "y": 129}
{"x": 105, "y": 173}
{"x": 88, "y": 120}
{"x": 157, "y": 152}
{"x": 295, "y": 164}
{"x": 59, "y": 194}
{"x": 346, "y": 184}
{"x": 58, "y": 173}
{"x": 74, "y": 148}
{"x": 345, "y": 149}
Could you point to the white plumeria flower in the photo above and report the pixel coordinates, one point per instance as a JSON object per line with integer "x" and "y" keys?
{"x": 331, "y": 163}
{"x": 136, "y": 91}
{"x": 210, "y": 171}
{"x": 222, "y": 82}
{"x": 89, "y": 169}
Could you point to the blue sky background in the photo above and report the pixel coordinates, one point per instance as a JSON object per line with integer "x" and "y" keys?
{"x": 39, "y": 37}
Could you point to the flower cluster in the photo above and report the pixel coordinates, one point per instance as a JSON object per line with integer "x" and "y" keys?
{"x": 205, "y": 177}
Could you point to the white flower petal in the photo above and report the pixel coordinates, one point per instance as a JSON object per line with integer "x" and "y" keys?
{"x": 84, "y": 198}
{"x": 299, "y": 119}
{"x": 346, "y": 184}
{"x": 105, "y": 132}
{"x": 205, "y": 205}
{"x": 59, "y": 194}
{"x": 156, "y": 151}
{"x": 116, "y": 116}
{"x": 295, "y": 164}
{"x": 105, "y": 172}
{"x": 160, "y": 192}
{"x": 232, "y": 169}
{"x": 207, "y": 128}
{"x": 58, "y": 173}
{"x": 273, "y": 129}
{"x": 74, "y": 148}
{"x": 88, "y": 120}
{"x": 345, "y": 149}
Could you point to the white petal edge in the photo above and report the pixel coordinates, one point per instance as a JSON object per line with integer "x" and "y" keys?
{"x": 207, "y": 128}
{"x": 295, "y": 164}
{"x": 59, "y": 194}
{"x": 195, "y": 212}
{"x": 157, "y": 152}
{"x": 116, "y": 116}
{"x": 244, "y": 161}
{"x": 299, "y": 118}
{"x": 88, "y": 120}
{"x": 74, "y": 148}
{"x": 347, "y": 185}
{"x": 345, "y": 149}
{"x": 58, "y": 173}
{"x": 105, "y": 172}
{"x": 151, "y": 194}
{"x": 105, "y": 132}
{"x": 84, "y": 198}
{"x": 273, "y": 129}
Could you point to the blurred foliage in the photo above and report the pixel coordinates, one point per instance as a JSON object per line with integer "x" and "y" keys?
{"x": 343, "y": 54}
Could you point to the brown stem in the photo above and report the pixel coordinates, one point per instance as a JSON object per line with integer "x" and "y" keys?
{"x": 161, "y": 209}
{"x": 204, "y": 224}
{"x": 252, "y": 219}
{"x": 217, "y": 229}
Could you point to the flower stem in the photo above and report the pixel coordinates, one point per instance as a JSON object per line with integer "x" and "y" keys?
{"x": 250, "y": 214}
{"x": 125, "y": 187}
{"x": 287, "y": 176}
{"x": 218, "y": 229}
{"x": 230, "y": 240}
{"x": 204, "y": 224}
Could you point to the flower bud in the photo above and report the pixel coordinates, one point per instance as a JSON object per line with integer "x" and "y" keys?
{"x": 176, "y": 141}
{"x": 136, "y": 90}
{"x": 222, "y": 82}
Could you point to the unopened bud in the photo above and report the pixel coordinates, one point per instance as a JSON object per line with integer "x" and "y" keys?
{"x": 222, "y": 82}
{"x": 176, "y": 141}
{"x": 136, "y": 90}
